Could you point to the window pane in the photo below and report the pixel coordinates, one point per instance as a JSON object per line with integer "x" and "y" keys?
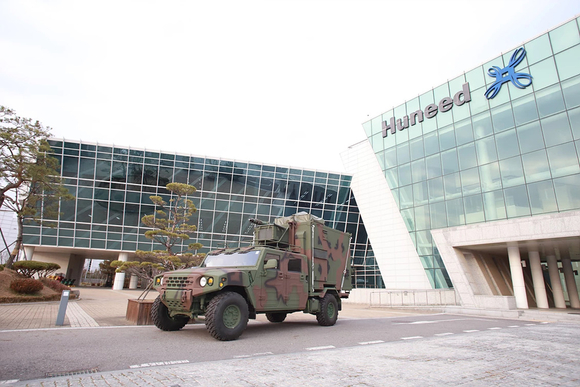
{"x": 544, "y": 73}
{"x": 467, "y": 158}
{"x": 470, "y": 181}
{"x": 567, "y": 189}
{"x": 567, "y": 63}
{"x": 404, "y": 174}
{"x": 516, "y": 199}
{"x": 449, "y": 161}
{"x": 431, "y": 143}
{"x": 507, "y": 144}
{"x": 556, "y": 129}
{"x": 422, "y": 220}
{"x": 490, "y": 177}
{"x": 574, "y": 116}
{"x": 482, "y": 125}
{"x": 571, "y": 90}
{"x": 447, "y": 138}
{"x": 418, "y": 170}
{"x": 463, "y": 132}
{"x": 475, "y": 78}
{"x": 486, "y": 152}
{"x": 550, "y": 101}
{"x": 502, "y": 118}
{"x": 406, "y": 196}
{"x": 542, "y": 197}
{"x": 511, "y": 172}
{"x": 525, "y": 109}
{"x": 452, "y": 184}
{"x": 438, "y": 215}
{"x": 455, "y": 215}
{"x": 538, "y": 49}
{"x": 473, "y": 209}
{"x": 417, "y": 150}
{"x": 563, "y": 160}
{"x": 436, "y": 191}
{"x": 564, "y": 36}
{"x": 421, "y": 196}
{"x": 536, "y": 166}
{"x": 403, "y": 155}
{"x": 433, "y": 165}
{"x": 530, "y": 137}
{"x": 494, "y": 205}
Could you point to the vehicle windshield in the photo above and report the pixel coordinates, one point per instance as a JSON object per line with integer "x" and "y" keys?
{"x": 230, "y": 260}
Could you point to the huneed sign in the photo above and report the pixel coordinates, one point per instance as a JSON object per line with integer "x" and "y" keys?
{"x": 461, "y": 97}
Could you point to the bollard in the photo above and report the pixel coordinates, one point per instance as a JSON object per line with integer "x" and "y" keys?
{"x": 62, "y": 307}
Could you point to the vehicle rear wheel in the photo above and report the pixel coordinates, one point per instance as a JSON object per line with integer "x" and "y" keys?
{"x": 226, "y": 316}
{"x": 162, "y": 320}
{"x": 328, "y": 311}
{"x": 276, "y": 317}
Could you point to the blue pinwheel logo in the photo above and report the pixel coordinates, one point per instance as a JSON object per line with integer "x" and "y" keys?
{"x": 508, "y": 74}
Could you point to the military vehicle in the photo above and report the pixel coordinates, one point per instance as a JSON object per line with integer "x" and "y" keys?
{"x": 294, "y": 264}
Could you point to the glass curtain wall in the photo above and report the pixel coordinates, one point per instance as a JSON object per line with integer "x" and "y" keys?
{"x": 112, "y": 186}
{"x": 510, "y": 156}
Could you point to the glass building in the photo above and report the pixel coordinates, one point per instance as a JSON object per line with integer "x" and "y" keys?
{"x": 112, "y": 186}
{"x": 499, "y": 142}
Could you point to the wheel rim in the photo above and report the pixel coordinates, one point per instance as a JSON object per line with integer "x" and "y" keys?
{"x": 232, "y": 316}
{"x": 330, "y": 310}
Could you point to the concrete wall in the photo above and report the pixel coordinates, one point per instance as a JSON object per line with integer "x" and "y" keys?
{"x": 394, "y": 250}
{"x": 396, "y": 298}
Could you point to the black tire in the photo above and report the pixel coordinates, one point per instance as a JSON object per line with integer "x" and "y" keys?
{"x": 276, "y": 317}
{"x": 162, "y": 319}
{"x": 226, "y": 316}
{"x": 328, "y": 311}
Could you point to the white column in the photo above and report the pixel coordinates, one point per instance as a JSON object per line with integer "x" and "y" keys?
{"x": 517, "y": 276}
{"x": 133, "y": 282}
{"x": 538, "y": 280}
{"x": 28, "y": 252}
{"x": 570, "y": 283}
{"x": 120, "y": 277}
{"x": 557, "y": 291}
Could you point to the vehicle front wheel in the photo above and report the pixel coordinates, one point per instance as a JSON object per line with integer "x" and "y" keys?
{"x": 162, "y": 320}
{"x": 328, "y": 311}
{"x": 276, "y": 317}
{"x": 226, "y": 316}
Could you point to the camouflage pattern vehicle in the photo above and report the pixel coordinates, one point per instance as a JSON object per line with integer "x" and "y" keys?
{"x": 295, "y": 264}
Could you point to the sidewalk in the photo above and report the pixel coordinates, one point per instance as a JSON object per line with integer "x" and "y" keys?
{"x": 107, "y": 307}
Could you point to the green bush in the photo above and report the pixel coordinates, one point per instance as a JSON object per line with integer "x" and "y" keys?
{"x": 26, "y": 286}
{"x": 54, "y": 285}
{"x": 30, "y": 268}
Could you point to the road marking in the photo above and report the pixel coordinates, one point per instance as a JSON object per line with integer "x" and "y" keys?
{"x": 371, "y": 342}
{"x": 513, "y": 326}
{"x": 9, "y": 381}
{"x": 320, "y": 348}
{"x": 529, "y": 325}
{"x": 437, "y": 321}
{"x": 159, "y": 363}
{"x": 253, "y": 355}
{"x": 444, "y": 334}
{"x": 411, "y": 337}
{"x": 494, "y": 328}
{"x": 471, "y": 330}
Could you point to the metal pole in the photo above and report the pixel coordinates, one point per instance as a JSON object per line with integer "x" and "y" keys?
{"x": 62, "y": 307}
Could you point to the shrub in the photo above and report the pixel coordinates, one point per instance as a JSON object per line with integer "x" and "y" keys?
{"x": 54, "y": 285}
{"x": 26, "y": 286}
{"x": 30, "y": 268}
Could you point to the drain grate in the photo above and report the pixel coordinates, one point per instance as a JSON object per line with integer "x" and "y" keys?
{"x": 71, "y": 373}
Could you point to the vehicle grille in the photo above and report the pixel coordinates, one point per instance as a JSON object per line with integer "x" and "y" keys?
{"x": 178, "y": 282}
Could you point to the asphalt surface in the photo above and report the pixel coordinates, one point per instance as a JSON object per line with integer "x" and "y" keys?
{"x": 367, "y": 347}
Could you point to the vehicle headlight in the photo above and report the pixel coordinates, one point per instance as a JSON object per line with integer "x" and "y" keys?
{"x": 158, "y": 281}
{"x": 203, "y": 281}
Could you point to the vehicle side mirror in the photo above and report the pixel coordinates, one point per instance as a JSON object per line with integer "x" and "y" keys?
{"x": 271, "y": 264}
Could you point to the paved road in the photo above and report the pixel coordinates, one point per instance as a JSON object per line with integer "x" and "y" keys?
{"x": 411, "y": 350}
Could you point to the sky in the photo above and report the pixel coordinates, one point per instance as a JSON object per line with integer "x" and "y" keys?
{"x": 287, "y": 83}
